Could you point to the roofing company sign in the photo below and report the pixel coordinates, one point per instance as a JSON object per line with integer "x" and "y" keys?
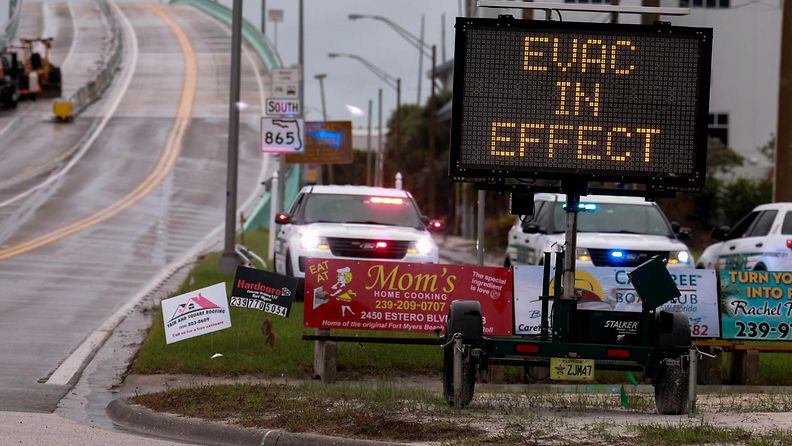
{"x": 196, "y": 313}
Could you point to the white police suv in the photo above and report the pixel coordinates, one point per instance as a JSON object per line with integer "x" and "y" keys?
{"x": 612, "y": 231}
{"x": 359, "y": 222}
{"x": 762, "y": 240}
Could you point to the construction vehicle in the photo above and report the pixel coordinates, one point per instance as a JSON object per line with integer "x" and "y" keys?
{"x": 9, "y": 87}
{"x": 38, "y": 77}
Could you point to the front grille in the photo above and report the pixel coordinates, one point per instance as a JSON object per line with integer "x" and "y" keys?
{"x": 365, "y": 248}
{"x": 602, "y": 257}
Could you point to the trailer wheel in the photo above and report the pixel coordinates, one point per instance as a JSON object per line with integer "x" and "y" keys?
{"x": 671, "y": 388}
{"x": 468, "y": 375}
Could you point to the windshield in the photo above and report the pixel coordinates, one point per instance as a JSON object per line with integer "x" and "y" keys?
{"x": 364, "y": 209}
{"x": 616, "y": 218}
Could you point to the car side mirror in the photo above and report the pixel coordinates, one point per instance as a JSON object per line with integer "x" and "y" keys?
{"x": 425, "y": 220}
{"x": 675, "y": 227}
{"x": 720, "y": 234}
{"x": 531, "y": 228}
{"x": 282, "y": 218}
{"x": 683, "y": 234}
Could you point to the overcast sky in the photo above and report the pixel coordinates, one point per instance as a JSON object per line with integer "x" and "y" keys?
{"x": 327, "y": 29}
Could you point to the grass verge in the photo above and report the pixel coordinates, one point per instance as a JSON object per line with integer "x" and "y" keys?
{"x": 244, "y": 351}
{"x": 382, "y": 412}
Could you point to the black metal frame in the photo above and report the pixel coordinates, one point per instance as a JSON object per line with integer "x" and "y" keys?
{"x": 494, "y": 177}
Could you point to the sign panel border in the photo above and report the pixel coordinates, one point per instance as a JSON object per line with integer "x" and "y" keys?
{"x": 482, "y": 174}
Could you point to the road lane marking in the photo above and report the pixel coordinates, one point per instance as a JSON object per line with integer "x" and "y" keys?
{"x": 72, "y": 364}
{"x": 163, "y": 167}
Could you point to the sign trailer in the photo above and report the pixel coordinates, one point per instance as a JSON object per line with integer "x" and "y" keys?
{"x": 574, "y": 108}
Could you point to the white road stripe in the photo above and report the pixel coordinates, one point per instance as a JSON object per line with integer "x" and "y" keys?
{"x": 74, "y": 362}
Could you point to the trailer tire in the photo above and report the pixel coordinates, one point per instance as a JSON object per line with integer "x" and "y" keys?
{"x": 468, "y": 375}
{"x": 671, "y": 388}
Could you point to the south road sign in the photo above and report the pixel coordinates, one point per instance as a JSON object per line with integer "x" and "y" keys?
{"x": 282, "y": 135}
{"x": 282, "y": 107}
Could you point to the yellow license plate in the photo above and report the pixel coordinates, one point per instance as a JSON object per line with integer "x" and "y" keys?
{"x": 570, "y": 369}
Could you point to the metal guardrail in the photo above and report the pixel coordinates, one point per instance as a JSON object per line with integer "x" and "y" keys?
{"x": 93, "y": 89}
{"x": 249, "y": 256}
{"x": 10, "y": 29}
{"x": 249, "y": 32}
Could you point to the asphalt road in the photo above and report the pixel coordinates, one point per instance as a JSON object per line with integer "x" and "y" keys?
{"x": 79, "y": 242}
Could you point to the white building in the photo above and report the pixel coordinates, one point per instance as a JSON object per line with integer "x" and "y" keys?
{"x": 745, "y": 65}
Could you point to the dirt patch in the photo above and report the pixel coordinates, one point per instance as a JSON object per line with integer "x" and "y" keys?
{"x": 499, "y": 415}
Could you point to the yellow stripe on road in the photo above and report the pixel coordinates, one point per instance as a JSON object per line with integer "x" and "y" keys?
{"x": 164, "y": 166}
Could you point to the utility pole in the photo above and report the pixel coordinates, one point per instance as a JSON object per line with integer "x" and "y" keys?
{"x": 442, "y": 37}
{"x": 229, "y": 259}
{"x": 650, "y": 19}
{"x": 782, "y": 184}
{"x": 398, "y": 151}
{"x": 432, "y": 137}
{"x": 527, "y": 14}
{"x": 378, "y": 161}
{"x": 368, "y": 146}
{"x": 614, "y": 14}
{"x": 420, "y": 61}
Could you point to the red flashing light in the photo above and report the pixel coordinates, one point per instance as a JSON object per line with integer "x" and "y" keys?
{"x": 381, "y": 245}
{"x": 789, "y": 244}
{"x": 619, "y": 353}
{"x": 386, "y": 200}
{"x": 282, "y": 217}
{"x": 527, "y": 348}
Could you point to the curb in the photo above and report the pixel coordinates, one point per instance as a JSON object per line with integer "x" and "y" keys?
{"x": 140, "y": 419}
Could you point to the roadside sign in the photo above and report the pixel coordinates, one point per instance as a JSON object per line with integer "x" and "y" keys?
{"x": 395, "y": 296}
{"x": 286, "y": 83}
{"x": 264, "y": 291}
{"x": 756, "y": 305}
{"x": 282, "y": 107}
{"x": 196, "y": 313}
{"x": 581, "y": 102}
{"x": 327, "y": 142}
{"x": 609, "y": 289}
{"x": 275, "y": 15}
{"x": 282, "y": 135}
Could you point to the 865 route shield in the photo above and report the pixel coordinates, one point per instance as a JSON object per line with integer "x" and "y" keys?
{"x": 411, "y": 297}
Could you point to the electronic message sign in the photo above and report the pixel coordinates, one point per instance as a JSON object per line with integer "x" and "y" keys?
{"x": 585, "y": 101}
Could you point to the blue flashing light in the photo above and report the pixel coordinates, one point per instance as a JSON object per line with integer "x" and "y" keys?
{"x": 584, "y": 207}
{"x": 617, "y": 254}
{"x": 327, "y": 138}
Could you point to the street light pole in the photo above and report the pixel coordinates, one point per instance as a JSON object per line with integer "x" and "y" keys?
{"x": 229, "y": 259}
{"x": 264, "y": 17}
{"x": 319, "y": 168}
{"x": 391, "y": 82}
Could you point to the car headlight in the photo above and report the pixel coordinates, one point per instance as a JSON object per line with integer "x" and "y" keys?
{"x": 312, "y": 240}
{"x": 678, "y": 257}
{"x": 421, "y": 246}
{"x": 582, "y": 254}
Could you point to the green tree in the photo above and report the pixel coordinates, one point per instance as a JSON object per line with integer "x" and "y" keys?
{"x": 742, "y": 195}
{"x": 412, "y": 158}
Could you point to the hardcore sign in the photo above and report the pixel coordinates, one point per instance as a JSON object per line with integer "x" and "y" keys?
{"x": 615, "y": 101}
